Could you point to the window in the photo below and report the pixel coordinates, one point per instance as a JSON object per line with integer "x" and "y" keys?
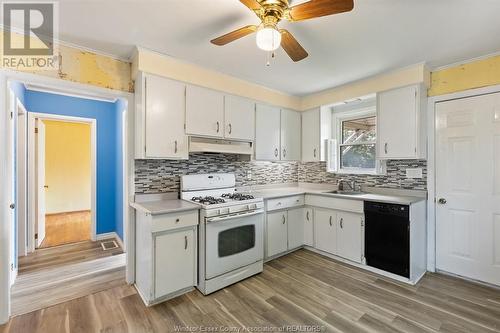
{"x": 357, "y": 145}
{"x": 353, "y": 148}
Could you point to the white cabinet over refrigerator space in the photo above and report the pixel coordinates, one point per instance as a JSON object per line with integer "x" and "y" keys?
{"x": 401, "y": 123}
{"x": 160, "y": 117}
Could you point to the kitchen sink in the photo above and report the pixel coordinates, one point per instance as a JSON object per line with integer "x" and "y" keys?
{"x": 345, "y": 192}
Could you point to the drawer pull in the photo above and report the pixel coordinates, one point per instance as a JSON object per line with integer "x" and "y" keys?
{"x": 177, "y": 220}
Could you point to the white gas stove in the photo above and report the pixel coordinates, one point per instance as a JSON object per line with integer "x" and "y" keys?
{"x": 231, "y": 245}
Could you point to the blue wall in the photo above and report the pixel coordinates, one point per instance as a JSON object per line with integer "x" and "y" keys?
{"x": 109, "y": 149}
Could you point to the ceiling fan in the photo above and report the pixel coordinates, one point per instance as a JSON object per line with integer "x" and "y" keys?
{"x": 271, "y": 12}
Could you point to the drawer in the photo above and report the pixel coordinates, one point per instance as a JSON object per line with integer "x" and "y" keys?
{"x": 173, "y": 221}
{"x": 285, "y": 202}
{"x": 349, "y": 205}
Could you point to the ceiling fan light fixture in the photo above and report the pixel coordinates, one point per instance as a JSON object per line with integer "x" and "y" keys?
{"x": 268, "y": 38}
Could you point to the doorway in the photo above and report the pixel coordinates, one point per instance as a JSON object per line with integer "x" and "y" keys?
{"x": 468, "y": 187}
{"x": 63, "y": 178}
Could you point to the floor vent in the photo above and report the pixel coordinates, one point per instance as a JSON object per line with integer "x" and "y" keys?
{"x": 109, "y": 245}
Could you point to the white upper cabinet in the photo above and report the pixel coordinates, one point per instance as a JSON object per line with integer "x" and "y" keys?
{"x": 290, "y": 135}
{"x": 204, "y": 112}
{"x": 267, "y": 133}
{"x": 239, "y": 118}
{"x": 401, "y": 123}
{"x": 160, "y": 118}
{"x": 311, "y": 136}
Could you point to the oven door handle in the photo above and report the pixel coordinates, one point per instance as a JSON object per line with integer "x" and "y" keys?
{"x": 230, "y": 217}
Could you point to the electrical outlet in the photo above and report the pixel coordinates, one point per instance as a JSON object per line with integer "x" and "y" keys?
{"x": 415, "y": 173}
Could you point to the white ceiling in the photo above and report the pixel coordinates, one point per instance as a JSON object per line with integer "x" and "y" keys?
{"x": 377, "y": 36}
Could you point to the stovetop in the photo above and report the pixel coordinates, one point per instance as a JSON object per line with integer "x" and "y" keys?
{"x": 224, "y": 198}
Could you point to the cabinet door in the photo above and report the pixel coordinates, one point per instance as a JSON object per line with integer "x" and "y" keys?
{"x": 308, "y": 226}
{"x": 277, "y": 239}
{"x": 267, "y": 133}
{"x": 295, "y": 228}
{"x": 325, "y": 230}
{"x": 397, "y": 123}
{"x": 204, "y": 112}
{"x": 290, "y": 135}
{"x": 239, "y": 118}
{"x": 174, "y": 262}
{"x": 311, "y": 135}
{"x": 350, "y": 236}
{"x": 164, "y": 118}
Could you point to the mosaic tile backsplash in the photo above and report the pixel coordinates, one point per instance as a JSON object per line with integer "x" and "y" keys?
{"x": 162, "y": 176}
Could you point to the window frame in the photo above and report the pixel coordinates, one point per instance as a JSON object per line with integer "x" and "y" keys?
{"x": 335, "y": 145}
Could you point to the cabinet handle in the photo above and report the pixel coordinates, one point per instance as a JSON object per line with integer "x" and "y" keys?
{"x": 386, "y": 147}
{"x": 314, "y": 153}
{"x": 230, "y": 128}
{"x": 331, "y": 221}
{"x": 284, "y": 152}
{"x": 341, "y": 223}
{"x": 276, "y": 152}
{"x": 284, "y": 220}
{"x": 307, "y": 215}
{"x": 175, "y": 148}
{"x": 218, "y": 127}
{"x": 185, "y": 242}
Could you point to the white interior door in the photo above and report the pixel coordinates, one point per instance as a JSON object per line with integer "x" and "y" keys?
{"x": 468, "y": 187}
{"x": 40, "y": 182}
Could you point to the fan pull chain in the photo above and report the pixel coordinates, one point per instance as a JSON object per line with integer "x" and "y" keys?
{"x": 270, "y": 55}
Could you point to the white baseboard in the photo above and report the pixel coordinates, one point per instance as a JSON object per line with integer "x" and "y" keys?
{"x": 110, "y": 235}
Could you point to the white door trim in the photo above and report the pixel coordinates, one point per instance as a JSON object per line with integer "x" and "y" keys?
{"x": 31, "y": 170}
{"x": 21, "y": 200}
{"x": 431, "y": 163}
{"x": 128, "y": 170}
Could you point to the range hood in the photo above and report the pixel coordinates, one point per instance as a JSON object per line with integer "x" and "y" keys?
{"x": 207, "y": 145}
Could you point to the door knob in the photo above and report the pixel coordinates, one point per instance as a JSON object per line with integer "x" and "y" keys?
{"x": 442, "y": 201}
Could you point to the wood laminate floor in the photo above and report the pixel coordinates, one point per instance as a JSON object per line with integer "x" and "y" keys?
{"x": 66, "y": 228}
{"x": 302, "y": 288}
{"x": 64, "y": 255}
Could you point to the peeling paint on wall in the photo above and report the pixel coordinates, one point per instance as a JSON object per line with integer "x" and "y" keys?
{"x": 477, "y": 74}
{"x": 86, "y": 67}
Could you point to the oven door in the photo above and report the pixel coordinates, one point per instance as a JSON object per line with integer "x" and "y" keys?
{"x": 232, "y": 242}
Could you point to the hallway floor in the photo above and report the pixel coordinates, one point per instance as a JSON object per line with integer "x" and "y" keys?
{"x": 62, "y": 273}
{"x": 66, "y": 228}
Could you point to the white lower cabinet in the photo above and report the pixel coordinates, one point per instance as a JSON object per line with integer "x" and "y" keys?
{"x": 166, "y": 254}
{"x": 277, "y": 233}
{"x": 174, "y": 258}
{"x": 308, "y": 226}
{"x": 350, "y": 236}
{"x": 295, "y": 228}
{"x": 325, "y": 230}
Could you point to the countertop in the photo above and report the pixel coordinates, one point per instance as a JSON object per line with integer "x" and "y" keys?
{"x": 164, "y": 206}
{"x": 279, "y": 192}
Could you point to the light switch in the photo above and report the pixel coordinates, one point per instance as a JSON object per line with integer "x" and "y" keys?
{"x": 414, "y": 173}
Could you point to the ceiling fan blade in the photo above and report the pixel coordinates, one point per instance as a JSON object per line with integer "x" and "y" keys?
{"x": 234, "y": 35}
{"x": 318, "y": 8}
{"x": 291, "y": 46}
{"x": 252, "y": 4}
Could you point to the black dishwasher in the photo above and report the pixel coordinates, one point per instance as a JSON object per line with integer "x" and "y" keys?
{"x": 387, "y": 237}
